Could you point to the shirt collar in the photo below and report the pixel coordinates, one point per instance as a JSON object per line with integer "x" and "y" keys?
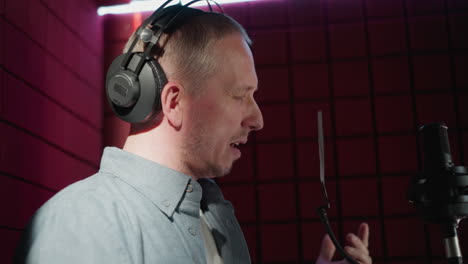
{"x": 165, "y": 187}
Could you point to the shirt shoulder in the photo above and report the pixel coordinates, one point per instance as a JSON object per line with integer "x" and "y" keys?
{"x": 80, "y": 223}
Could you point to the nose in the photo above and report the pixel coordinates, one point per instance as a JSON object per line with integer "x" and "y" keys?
{"x": 254, "y": 119}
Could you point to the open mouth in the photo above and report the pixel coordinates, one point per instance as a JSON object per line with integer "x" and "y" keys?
{"x": 235, "y": 145}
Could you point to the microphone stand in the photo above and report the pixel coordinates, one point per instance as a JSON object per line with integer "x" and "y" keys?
{"x": 440, "y": 191}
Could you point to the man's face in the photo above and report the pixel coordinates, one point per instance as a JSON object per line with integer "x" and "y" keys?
{"x": 221, "y": 118}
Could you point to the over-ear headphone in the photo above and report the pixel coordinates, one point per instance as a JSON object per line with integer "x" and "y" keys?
{"x": 135, "y": 80}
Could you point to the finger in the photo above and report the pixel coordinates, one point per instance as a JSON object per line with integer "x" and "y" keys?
{"x": 363, "y": 233}
{"x": 357, "y": 243}
{"x": 328, "y": 249}
{"x": 360, "y": 256}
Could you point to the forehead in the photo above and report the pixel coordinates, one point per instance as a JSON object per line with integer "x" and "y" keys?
{"x": 235, "y": 62}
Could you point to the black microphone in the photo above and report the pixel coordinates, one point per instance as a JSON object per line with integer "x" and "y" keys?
{"x": 440, "y": 191}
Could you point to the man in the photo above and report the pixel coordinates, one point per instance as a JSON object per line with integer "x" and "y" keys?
{"x": 154, "y": 201}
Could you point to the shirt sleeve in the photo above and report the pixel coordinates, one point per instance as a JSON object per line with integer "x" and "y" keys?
{"x": 81, "y": 231}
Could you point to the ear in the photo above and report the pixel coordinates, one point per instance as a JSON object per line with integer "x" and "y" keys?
{"x": 171, "y": 103}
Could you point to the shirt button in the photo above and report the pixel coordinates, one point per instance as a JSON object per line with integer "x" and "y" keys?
{"x": 189, "y": 188}
{"x": 166, "y": 203}
{"x": 192, "y": 231}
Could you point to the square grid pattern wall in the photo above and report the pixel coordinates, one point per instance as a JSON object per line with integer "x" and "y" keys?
{"x": 50, "y": 105}
{"x": 378, "y": 70}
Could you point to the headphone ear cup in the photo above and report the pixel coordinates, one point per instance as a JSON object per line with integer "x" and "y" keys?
{"x": 160, "y": 80}
{"x": 132, "y": 98}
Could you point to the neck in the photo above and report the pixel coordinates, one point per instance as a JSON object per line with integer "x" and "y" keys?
{"x": 158, "y": 146}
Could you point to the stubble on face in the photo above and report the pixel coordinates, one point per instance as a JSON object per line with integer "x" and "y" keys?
{"x": 198, "y": 144}
{"x": 206, "y": 149}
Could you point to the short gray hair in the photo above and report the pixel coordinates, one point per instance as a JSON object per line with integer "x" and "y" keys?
{"x": 189, "y": 47}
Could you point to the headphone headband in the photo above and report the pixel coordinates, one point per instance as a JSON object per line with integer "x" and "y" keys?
{"x": 135, "y": 80}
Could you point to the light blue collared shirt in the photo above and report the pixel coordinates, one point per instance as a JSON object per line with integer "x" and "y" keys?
{"x": 132, "y": 211}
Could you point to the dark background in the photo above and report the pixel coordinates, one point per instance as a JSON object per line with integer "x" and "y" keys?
{"x": 377, "y": 68}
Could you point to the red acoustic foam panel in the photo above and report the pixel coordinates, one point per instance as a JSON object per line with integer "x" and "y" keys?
{"x": 238, "y": 11}
{"x": 351, "y": 78}
{"x": 353, "y": 117}
{"x": 391, "y": 74}
{"x": 347, "y": 40}
{"x": 415, "y": 7}
{"x": 394, "y": 114}
{"x": 279, "y": 243}
{"x": 308, "y": 44}
{"x": 250, "y": 234}
{"x": 275, "y": 161}
{"x": 457, "y": 4}
{"x": 54, "y": 42}
{"x": 272, "y": 84}
{"x": 436, "y": 108}
{"x": 119, "y": 27}
{"x": 113, "y": 49}
{"x": 397, "y": 154}
{"x": 462, "y": 106}
{"x": 306, "y": 12}
{"x": 461, "y": 68}
{"x": 311, "y": 198}
{"x": 387, "y": 36}
{"x": 306, "y": 119}
{"x": 432, "y": 72}
{"x": 357, "y": 202}
{"x": 89, "y": 26}
{"x": 394, "y": 195}
{"x": 243, "y": 200}
{"x": 29, "y": 64}
{"x": 26, "y": 14}
{"x": 454, "y": 145}
{"x": 83, "y": 99}
{"x": 308, "y": 165}
{"x": 356, "y": 156}
{"x": 436, "y": 239}
{"x": 405, "y": 237}
{"x": 384, "y": 8}
{"x": 243, "y": 168}
{"x": 458, "y": 25}
{"x": 268, "y": 42}
{"x": 2, "y": 86}
{"x": 2, "y": 43}
{"x": 57, "y": 6}
{"x": 465, "y": 148}
{"x": 421, "y": 260}
{"x": 375, "y": 235}
{"x": 312, "y": 236}
{"x": 344, "y": 10}
{"x": 8, "y": 243}
{"x": 310, "y": 81}
{"x": 267, "y": 14}
{"x": 115, "y": 131}
{"x": 277, "y": 122}
{"x": 19, "y": 201}
{"x": 111, "y": 2}
{"x": 45, "y": 118}
{"x": 72, "y": 50}
{"x": 428, "y": 33}
{"x": 277, "y": 195}
{"x": 47, "y": 165}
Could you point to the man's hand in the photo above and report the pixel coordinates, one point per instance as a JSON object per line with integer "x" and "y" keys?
{"x": 356, "y": 248}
